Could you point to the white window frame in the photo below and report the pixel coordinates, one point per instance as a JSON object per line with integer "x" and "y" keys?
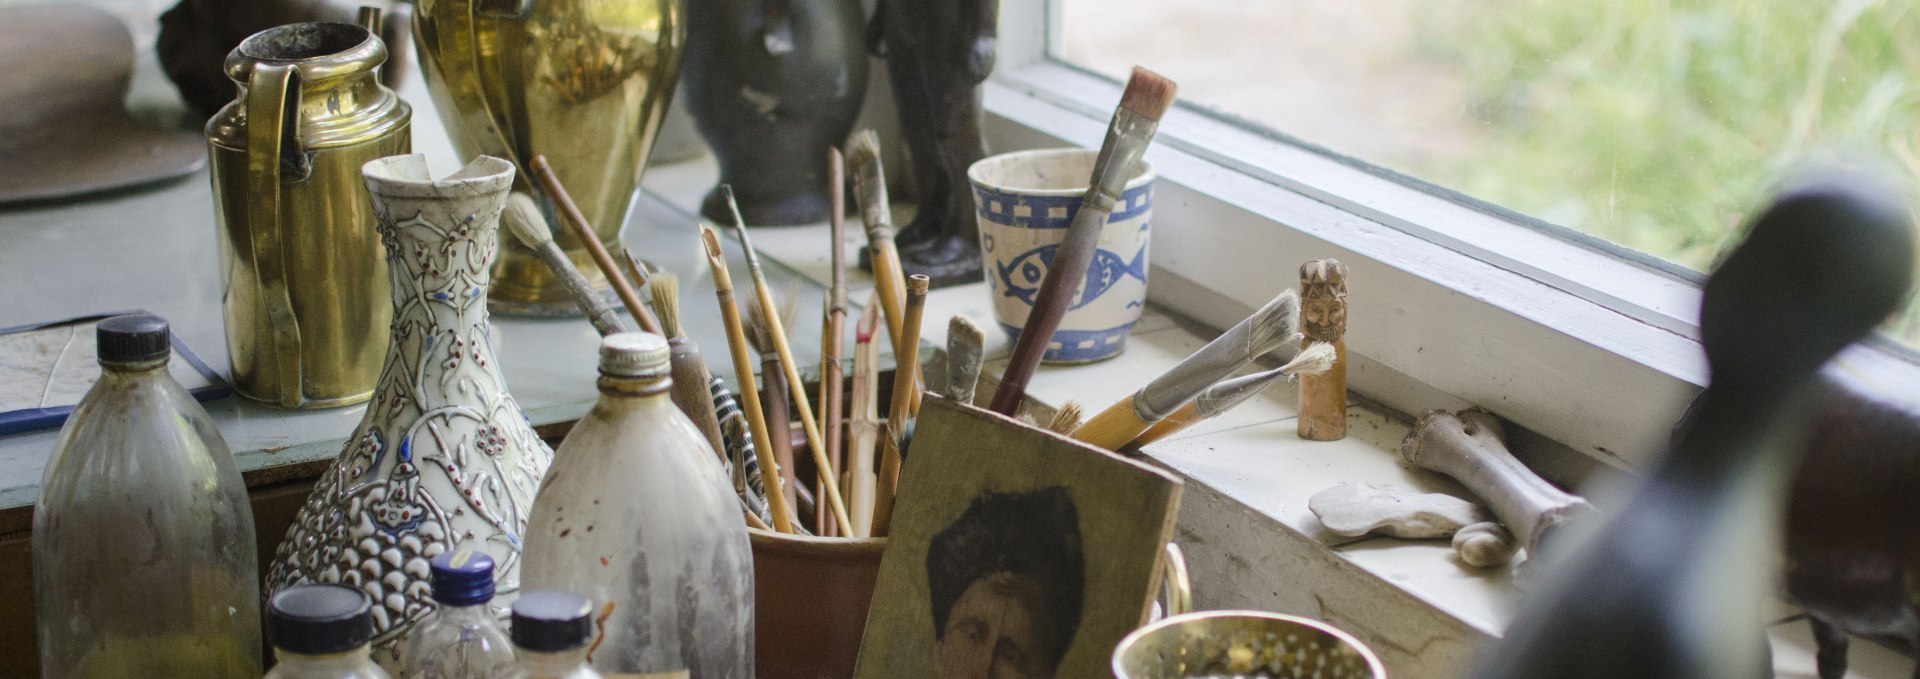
{"x": 1451, "y": 303}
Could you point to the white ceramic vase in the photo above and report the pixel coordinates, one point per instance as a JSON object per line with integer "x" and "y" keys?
{"x": 444, "y": 458}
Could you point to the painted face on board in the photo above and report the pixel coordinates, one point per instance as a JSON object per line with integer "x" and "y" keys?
{"x": 995, "y": 632}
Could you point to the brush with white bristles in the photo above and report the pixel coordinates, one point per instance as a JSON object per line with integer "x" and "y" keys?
{"x": 1317, "y": 358}
{"x": 523, "y": 218}
{"x": 1270, "y": 328}
{"x": 690, "y": 377}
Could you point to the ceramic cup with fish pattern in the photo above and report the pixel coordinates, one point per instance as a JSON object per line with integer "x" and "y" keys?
{"x": 1025, "y": 201}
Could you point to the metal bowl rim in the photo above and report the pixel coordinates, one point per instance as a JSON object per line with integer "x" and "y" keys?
{"x": 1373, "y": 661}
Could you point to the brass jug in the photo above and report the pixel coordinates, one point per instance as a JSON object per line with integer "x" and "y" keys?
{"x": 585, "y": 83}
{"x": 303, "y": 274}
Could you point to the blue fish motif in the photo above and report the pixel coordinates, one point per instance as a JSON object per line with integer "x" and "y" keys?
{"x": 1021, "y": 277}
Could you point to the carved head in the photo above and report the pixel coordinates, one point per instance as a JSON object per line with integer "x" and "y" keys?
{"x": 1323, "y": 299}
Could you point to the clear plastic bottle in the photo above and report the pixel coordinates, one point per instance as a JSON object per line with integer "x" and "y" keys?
{"x": 636, "y": 516}
{"x": 143, "y": 548}
{"x": 321, "y": 632}
{"x": 461, "y": 639}
{"x": 550, "y": 635}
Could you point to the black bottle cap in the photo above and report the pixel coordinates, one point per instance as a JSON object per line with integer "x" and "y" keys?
{"x": 549, "y": 621}
{"x": 320, "y": 619}
{"x": 136, "y": 338}
{"x": 462, "y": 578}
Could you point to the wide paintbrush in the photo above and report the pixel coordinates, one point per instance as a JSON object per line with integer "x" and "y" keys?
{"x": 1270, "y": 328}
{"x": 1147, "y": 97}
{"x": 743, "y": 370}
{"x": 1223, "y": 396}
{"x": 797, "y": 388}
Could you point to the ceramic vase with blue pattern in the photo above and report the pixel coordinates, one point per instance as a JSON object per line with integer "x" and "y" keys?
{"x": 1025, "y": 201}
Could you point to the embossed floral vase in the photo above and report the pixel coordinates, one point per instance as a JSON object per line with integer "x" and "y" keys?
{"x": 444, "y": 458}
{"x": 1024, "y": 202}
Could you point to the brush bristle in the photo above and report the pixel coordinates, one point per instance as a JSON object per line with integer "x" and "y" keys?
{"x": 1148, "y": 94}
{"x": 1275, "y": 324}
{"x": 962, "y": 330}
{"x": 864, "y": 149}
{"x": 523, "y": 218}
{"x": 1066, "y": 419}
{"x": 665, "y": 288}
{"x": 758, "y": 333}
{"x": 1317, "y": 358}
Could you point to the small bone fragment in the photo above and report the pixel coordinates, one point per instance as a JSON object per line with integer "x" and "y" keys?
{"x": 1471, "y": 447}
{"x": 1354, "y": 509}
{"x": 1484, "y": 545}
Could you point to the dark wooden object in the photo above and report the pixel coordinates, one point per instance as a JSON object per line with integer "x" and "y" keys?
{"x": 937, "y": 55}
{"x": 1674, "y": 584}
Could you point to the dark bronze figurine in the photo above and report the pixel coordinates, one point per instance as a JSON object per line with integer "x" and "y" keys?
{"x": 1673, "y": 586}
{"x": 938, "y": 52}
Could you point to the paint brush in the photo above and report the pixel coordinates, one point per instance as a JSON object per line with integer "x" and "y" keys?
{"x": 901, "y": 413}
{"x": 863, "y": 421}
{"x": 773, "y": 392}
{"x": 523, "y": 218}
{"x": 747, "y": 479}
{"x": 743, "y": 370}
{"x": 690, "y": 376}
{"x": 966, "y": 351}
{"x": 1270, "y": 328}
{"x": 1317, "y": 358}
{"x": 584, "y": 231}
{"x": 1066, "y": 419}
{"x": 876, "y": 213}
{"x": 832, "y": 379}
{"x": 1147, "y": 97}
{"x": 798, "y": 388}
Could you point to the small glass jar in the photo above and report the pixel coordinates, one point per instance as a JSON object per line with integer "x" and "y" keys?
{"x": 461, "y": 639}
{"x": 550, "y": 634}
{"x": 321, "y": 632}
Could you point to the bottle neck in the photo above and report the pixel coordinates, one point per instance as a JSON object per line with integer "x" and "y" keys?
{"x": 467, "y": 616}
{"x": 623, "y": 387}
{"x": 135, "y": 368}
{"x": 538, "y": 664}
{"x": 356, "y": 658}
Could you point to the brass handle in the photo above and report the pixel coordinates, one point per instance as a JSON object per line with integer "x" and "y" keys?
{"x": 369, "y": 18}
{"x": 1178, "y": 586}
{"x": 273, "y": 153}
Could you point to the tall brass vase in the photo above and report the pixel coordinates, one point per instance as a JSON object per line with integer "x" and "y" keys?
{"x": 304, "y": 282}
{"x": 585, "y": 83}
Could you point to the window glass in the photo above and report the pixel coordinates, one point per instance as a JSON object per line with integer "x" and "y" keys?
{"x": 1650, "y": 123}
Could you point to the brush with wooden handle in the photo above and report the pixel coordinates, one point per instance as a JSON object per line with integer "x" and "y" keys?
{"x": 584, "y": 231}
{"x": 523, "y": 218}
{"x": 798, "y": 388}
{"x": 863, "y": 421}
{"x": 900, "y": 414}
{"x": 1146, "y": 98}
{"x": 966, "y": 351}
{"x": 773, "y": 392}
{"x": 876, "y": 213}
{"x": 1270, "y": 328}
{"x": 1317, "y": 358}
{"x": 743, "y": 370}
{"x": 832, "y": 380}
{"x": 690, "y": 376}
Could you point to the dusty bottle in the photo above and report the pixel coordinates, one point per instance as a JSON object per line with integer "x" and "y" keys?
{"x": 461, "y": 639}
{"x": 321, "y": 632}
{"x": 635, "y": 515}
{"x": 551, "y": 631}
{"x": 143, "y": 548}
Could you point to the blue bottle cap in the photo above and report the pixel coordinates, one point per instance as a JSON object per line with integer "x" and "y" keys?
{"x": 462, "y": 578}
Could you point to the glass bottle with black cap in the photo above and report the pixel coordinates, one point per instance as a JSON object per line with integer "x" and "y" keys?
{"x": 143, "y": 545}
{"x": 551, "y": 630}
{"x": 461, "y": 639}
{"x": 321, "y": 632}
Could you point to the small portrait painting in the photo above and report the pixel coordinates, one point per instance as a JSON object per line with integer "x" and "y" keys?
{"x": 1005, "y": 582}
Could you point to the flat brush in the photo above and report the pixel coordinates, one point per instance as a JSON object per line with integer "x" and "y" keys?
{"x": 966, "y": 350}
{"x": 1147, "y": 97}
{"x": 1317, "y": 358}
{"x": 583, "y": 230}
{"x": 523, "y": 218}
{"x": 690, "y": 376}
{"x": 901, "y": 413}
{"x": 743, "y": 370}
{"x": 797, "y": 388}
{"x": 1270, "y": 328}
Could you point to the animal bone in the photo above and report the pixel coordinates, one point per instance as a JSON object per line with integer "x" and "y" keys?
{"x": 1484, "y": 545}
{"x": 1471, "y": 447}
{"x": 1353, "y": 509}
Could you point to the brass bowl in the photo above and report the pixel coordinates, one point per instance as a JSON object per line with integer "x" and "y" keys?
{"x": 1243, "y": 644}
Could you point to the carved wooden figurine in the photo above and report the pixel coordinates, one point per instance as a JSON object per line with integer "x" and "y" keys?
{"x": 1323, "y": 318}
{"x": 1675, "y": 584}
{"x": 938, "y": 53}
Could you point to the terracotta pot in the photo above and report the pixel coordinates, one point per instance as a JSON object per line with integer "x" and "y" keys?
{"x": 811, "y": 597}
